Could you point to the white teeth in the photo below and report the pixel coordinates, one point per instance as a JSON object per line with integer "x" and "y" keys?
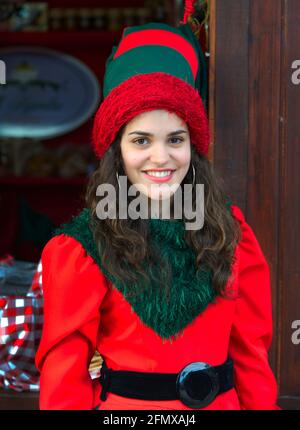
{"x": 159, "y": 174}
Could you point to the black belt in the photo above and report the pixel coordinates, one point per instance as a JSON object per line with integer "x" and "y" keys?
{"x": 196, "y": 385}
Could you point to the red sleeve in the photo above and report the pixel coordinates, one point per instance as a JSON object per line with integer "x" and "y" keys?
{"x": 73, "y": 288}
{"x": 251, "y": 332}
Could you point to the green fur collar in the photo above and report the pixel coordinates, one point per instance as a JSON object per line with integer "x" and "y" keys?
{"x": 190, "y": 290}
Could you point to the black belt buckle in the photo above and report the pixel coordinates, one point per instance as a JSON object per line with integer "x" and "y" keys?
{"x": 197, "y": 385}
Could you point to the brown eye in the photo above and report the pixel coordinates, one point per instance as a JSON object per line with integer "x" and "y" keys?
{"x": 177, "y": 139}
{"x": 138, "y": 141}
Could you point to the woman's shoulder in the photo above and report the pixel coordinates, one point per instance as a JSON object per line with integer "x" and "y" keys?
{"x": 69, "y": 271}
{"x": 245, "y": 227}
{"x": 71, "y": 245}
{"x": 73, "y": 236}
{"x": 248, "y": 247}
{"x": 62, "y": 245}
{"x": 237, "y": 213}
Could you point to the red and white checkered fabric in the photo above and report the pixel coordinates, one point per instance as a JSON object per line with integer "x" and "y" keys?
{"x": 21, "y": 321}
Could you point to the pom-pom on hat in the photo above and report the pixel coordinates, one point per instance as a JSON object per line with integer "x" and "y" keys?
{"x": 155, "y": 66}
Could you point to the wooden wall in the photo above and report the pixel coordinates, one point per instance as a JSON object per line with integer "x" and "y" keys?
{"x": 255, "y": 119}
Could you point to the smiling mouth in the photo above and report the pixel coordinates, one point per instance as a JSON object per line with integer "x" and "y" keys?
{"x": 159, "y": 174}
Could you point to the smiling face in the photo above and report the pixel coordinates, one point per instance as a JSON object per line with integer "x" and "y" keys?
{"x": 156, "y": 152}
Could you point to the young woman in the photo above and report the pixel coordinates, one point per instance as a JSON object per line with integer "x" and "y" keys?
{"x": 181, "y": 316}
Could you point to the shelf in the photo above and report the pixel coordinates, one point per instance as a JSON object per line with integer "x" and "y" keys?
{"x": 40, "y": 181}
{"x": 74, "y": 39}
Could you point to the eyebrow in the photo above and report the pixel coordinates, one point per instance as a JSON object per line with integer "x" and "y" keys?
{"x": 144, "y": 133}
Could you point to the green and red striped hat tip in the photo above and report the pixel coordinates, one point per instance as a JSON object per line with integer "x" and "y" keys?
{"x": 189, "y": 9}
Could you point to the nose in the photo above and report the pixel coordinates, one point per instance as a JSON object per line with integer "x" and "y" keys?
{"x": 160, "y": 153}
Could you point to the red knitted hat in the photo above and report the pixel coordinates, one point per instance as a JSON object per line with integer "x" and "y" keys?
{"x": 155, "y": 66}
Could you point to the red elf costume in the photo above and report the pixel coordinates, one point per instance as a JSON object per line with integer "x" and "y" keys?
{"x": 201, "y": 351}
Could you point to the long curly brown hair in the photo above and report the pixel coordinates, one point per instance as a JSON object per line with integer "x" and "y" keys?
{"x": 122, "y": 241}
